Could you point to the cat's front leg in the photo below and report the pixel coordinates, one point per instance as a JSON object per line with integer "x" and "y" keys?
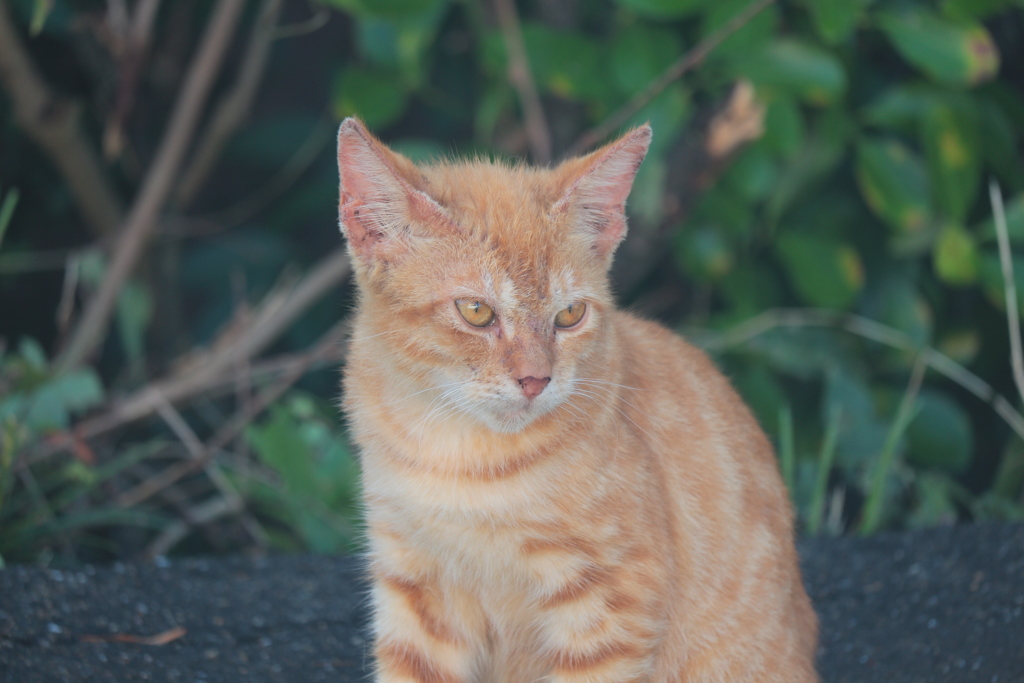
{"x": 423, "y": 633}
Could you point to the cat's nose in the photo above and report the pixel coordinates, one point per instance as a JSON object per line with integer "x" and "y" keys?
{"x": 532, "y": 386}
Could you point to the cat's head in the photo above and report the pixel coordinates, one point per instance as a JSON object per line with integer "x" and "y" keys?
{"x": 487, "y": 282}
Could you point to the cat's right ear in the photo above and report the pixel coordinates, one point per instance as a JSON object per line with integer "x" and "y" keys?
{"x": 379, "y": 210}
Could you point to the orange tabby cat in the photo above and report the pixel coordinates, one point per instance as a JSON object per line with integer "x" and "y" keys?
{"x": 555, "y": 490}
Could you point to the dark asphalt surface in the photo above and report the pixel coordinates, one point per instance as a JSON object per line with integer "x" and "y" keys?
{"x": 938, "y": 606}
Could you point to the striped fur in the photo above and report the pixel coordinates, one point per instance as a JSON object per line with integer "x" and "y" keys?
{"x": 626, "y": 524}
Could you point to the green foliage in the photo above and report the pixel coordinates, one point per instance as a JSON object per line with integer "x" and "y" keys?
{"x": 318, "y": 496}
{"x": 863, "y": 195}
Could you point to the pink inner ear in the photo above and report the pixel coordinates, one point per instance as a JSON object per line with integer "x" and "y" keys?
{"x": 599, "y": 193}
{"x": 378, "y": 207}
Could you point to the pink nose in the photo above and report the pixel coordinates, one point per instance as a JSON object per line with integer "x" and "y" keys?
{"x": 532, "y": 386}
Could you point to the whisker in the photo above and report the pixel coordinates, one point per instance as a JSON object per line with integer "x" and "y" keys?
{"x": 591, "y": 380}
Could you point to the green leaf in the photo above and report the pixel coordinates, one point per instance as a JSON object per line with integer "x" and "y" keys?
{"x": 134, "y": 313}
{"x": 862, "y": 433}
{"x": 783, "y": 126}
{"x": 401, "y": 43}
{"x": 753, "y": 174}
{"x": 705, "y": 253}
{"x": 955, "y": 256}
{"x": 892, "y": 298}
{"x": 664, "y": 9}
{"x": 949, "y": 53}
{"x": 992, "y": 279}
{"x": 941, "y": 436}
{"x": 933, "y": 503}
{"x": 640, "y": 54}
{"x": 901, "y": 107}
{"x": 751, "y": 37}
{"x": 952, "y": 151}
{"x": 567, "y": 64}
{"x": 808, "y": 72}
{"x": 1014, "y": 209}
{"x": 40, "y": 11}
{"x": 51, "y": 404}
{"x": 894, "y": 183}
{"x": 962, "y": 10}
{"x": 372, "y": 94}
{"x": 394, "y": 9}
{"x": 279, "y": 443}
{"x": 835, "y": 20}
{"x": 825, "y": 273}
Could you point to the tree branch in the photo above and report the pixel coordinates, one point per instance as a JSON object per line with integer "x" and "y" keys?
{"x": 234, "y": 106}
{"x": 688, "y": 61}
{"x": 537, "y": 131}
{"x": 157, "y": 185}
{"x": 52, "y": 123}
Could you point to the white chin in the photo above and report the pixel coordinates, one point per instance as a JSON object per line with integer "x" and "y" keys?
{"x": 514, "y": 420}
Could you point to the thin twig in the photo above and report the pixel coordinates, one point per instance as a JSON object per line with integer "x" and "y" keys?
{"x": 690, "y": 60}
{"x": 53, "y": 124}
{"x": 537, "y": 131}
{"x": 211, "y": 369}
{"x": 230, "y": 500}
{"x": 234, "y": 106}
{"x": 159, "y": 182}
{"x": 1006, "y": 261}
{"x": 230, "y": 429}
{"x": 875, "y": 331}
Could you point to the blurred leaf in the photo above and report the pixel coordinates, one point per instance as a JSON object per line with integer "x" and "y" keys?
{"x": 825, "y": 273}
{"x": 750, "y": 290}
{"x": 991, "y": 506}
{"x": 664, "y": 9}
{"x": 933, "y": 505}
{"x": 956, "y": 256}
{"x": 806, "y": 71}
{"x": 640, "y": 54}
{"x": 50, "y": 406}
{"x": 802, "y": 353}
{"x": 783, "y": 126}
{"x": 762, "y": 392}
{"x": 822, "y": 151}
{"x": 753, "y": 174}
{"x": 705, "y": 253}
{"x": 372, "y": 94}
{"x": 941, "y": 436}
{"x": 998, "y": 141}
{"x": 894, "y": 183}
{"x": 401, "y": 43}
{"x": 395, "y": 9}
{"x": 834, "y": 20}
{"x": 953, "y": 163}
{"x": 901, "y": 107}
{"x": 667, "y": 112}
{"x": 992, "y": 279}
{"x": 279, "y": 444}
{"x": 566, "y": 63}
{"x": 862, "y": 433}
{"x": 1014, "y": 210}
{"x": 892, "y": 298}
{"x": 962, "y": 10}
{"x": 32, "y": 353}
{"x": 134, "y": 312}
{"x": 750, "y": 38}
{"x": 950, "y": 53}
{"x": 40, "y": 11}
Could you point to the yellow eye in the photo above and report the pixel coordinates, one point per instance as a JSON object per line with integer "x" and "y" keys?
{"x": 476, "y": 313}
{"x": 572, "y": 314}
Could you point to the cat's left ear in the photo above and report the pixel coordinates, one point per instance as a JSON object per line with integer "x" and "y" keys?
{"x": 597, "y": 186}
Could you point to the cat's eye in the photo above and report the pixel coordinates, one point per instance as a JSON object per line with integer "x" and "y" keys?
{"x": 571, "y": 314}
{"x": 476, "y": 313}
